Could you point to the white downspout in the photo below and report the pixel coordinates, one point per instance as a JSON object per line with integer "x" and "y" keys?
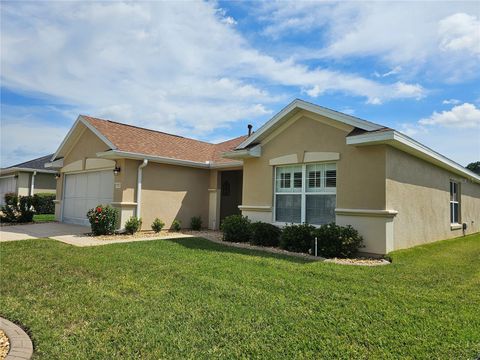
{"x": 32, "y": 184}
{"x": 139, "y": 187}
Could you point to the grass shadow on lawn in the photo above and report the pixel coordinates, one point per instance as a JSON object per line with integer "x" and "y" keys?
{"x": 207, "y": 245}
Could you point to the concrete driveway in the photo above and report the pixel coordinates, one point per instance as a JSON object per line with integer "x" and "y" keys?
{"x": 43, "y": 230}
{"x": 69, "y": 234}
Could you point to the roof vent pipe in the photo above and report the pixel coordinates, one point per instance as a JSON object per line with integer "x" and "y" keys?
{"x": 250, "y": 126}
{"x": 139, "y": 187}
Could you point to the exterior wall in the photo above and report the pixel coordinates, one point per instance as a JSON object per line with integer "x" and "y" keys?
{"x": 172, "y": 192}
{"x": 360, "y": 171}
{"x": 86, "y": 146}
{"x": 23, "y": 183}
{"x": 420, "y": 192}
{"x": 44, "y": 183}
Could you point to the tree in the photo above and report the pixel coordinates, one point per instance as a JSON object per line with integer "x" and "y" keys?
{"x": 474, "y": 166}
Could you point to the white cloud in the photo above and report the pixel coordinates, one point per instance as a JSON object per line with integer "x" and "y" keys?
{"x": 460, "y": 32}
{"x": 161, "y": 64}
{"x": 462, "y": 116}
{"x": 173, "y": 66}
{"x": 436, "y": 38}
{"x": 451, "y": 102}
{"x": 396, "y": 70}
{"x": 25, "y": 136}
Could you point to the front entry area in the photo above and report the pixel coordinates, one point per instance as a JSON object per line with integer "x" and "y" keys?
{"x": 231, "y": 183}
{"x": 84, "y": 191}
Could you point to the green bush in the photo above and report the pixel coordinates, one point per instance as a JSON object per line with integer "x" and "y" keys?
{"x": 265, "y": 234}
{"x": 297, "y": 238}
{"x": 236, "y": 228}
{"x": 17, "y": 209}
{"x": 337, "y": 241}
{"x": 10, "y": 211}
{"x": 157, "y": 225}
{"x": 103, "y": 219}
{"x": 196, "y": 223}
{"x": 176, "y": 225}
{"x": 43, "y": 203}
{"x": 26, "y": 209}
{"x": 133, "y": 225}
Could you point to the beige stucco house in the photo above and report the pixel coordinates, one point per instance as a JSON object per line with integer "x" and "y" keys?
{"x": 27, "y": 178}
{"x": 306, "y": 164}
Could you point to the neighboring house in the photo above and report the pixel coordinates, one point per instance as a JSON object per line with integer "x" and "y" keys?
{"x": 27, "y": 178}
{"x": 306, "y": 164}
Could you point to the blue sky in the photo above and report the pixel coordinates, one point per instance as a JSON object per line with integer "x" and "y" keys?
{"x": 207, "y": 69}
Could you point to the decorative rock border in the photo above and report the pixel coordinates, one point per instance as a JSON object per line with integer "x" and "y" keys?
{"x": 21, "y": 347}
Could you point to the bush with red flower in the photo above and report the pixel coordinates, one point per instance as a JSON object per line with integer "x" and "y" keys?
{"x": 103, "y": 219}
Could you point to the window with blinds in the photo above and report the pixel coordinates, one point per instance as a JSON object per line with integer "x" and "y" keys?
{"x": 310, "y": 197}
{"x": 454, "y": 202}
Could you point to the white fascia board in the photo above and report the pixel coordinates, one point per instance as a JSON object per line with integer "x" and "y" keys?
{"x": 62, "y": 144}
{"x": 98, "y": 133}
{"x": 116, "y": 154}
{"x": 255, "y": 151}
{"x": 233, "y": 164}
{"x": 29, "y": 170}
{"x": 303, "y": 105}
{"x": 407, "y": 144}
{"x": 79, "y": 120}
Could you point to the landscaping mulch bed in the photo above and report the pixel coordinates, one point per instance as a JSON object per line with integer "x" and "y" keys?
{"x": 216, "y": 236}
{"x": 4, "y": 345}
{"x": 362, "y": 261}
{"x": 138, "y": 235}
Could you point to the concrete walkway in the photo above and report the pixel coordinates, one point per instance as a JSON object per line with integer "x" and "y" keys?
{"x": 67, "y": 233}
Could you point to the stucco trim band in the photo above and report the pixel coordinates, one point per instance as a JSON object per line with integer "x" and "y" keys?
{"x": 255, "y": 207}
{"x": 283, "y": 160}
{"x": 124, "y": 203}
{"x": 366, "y": 212}
{"x": 320, "y": 156}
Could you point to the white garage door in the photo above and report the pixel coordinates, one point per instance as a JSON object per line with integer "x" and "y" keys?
{"x": 85, "y": 191}
{"x": 8, "y": 184}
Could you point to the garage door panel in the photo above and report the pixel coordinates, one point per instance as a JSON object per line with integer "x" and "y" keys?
{"x": 7, "y": 185}
{"x": 84, "y": 191}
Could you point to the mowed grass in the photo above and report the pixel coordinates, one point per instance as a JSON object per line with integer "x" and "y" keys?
{"x": 43, "y": 217}
{"x": 191, "y": 298}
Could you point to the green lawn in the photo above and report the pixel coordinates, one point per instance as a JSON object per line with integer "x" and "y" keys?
{"x": 191, "y": 298}
{"x": 43, "y": 217}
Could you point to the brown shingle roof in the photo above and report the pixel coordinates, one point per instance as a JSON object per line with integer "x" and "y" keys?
{"x": 134, "y": 139}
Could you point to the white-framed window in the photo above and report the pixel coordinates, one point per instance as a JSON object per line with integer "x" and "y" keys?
{"x": 305, "y": 193}
{"x": 454, "y": 202}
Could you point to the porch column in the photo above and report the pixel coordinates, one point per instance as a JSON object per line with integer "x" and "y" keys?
{"x": 214, "y": 200}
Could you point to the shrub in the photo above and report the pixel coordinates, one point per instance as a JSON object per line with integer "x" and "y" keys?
{"x": 133, "y": 225}
{"x": 337, "y": 241}
{"x": 265, "y": 234}
{"x": 297, "y": 238}
{"x": 10, "y": 211}
{"x": 157, "y": 225}
{"x": 236, "y": 228}
{"x": 26, "y": 209}
{"x": 43, "y": 203}
{"x": 196, "y": 223}
{"x": 17, "y": 209}
{"x": 103, "y": 219}
{"x": 176, "y": 225}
